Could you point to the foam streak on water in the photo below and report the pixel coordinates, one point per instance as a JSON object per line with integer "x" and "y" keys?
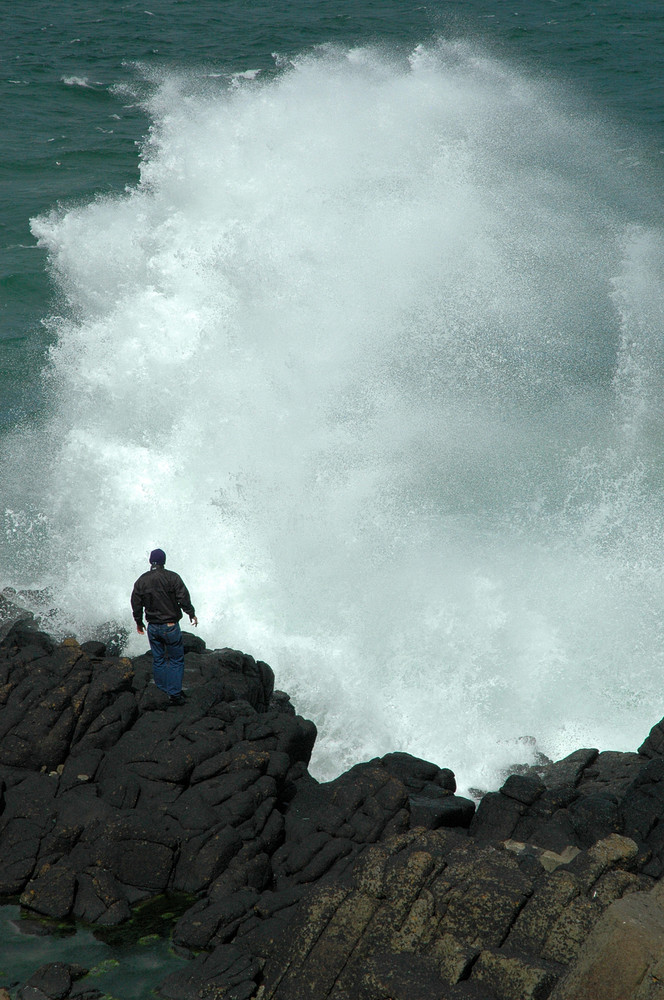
{"x": 374, "y": 353}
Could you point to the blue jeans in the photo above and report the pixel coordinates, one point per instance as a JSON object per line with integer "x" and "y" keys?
{"x": 167, "y": 657}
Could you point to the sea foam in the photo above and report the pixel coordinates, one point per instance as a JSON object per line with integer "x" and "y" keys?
{"x": 77, "y": 81}
{"x": 373, "y": 351}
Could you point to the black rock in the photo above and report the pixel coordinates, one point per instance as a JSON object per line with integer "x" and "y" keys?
{"x": 94, "y": 648}
{"x": 53, "y": 982}
{"x": 193, "y": 643}
{"x": 524, "y": 788}
{"x": 357, "y": 888}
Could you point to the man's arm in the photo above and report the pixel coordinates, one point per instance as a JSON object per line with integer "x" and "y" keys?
{"x": 137, "y": 610}
{"x": 184, "y": 600}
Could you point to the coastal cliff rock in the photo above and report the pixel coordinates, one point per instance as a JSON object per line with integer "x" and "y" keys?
{"x": 380, "y": 884}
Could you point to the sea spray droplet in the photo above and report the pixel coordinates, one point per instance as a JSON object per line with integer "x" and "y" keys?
{"x": 371, "y": 351}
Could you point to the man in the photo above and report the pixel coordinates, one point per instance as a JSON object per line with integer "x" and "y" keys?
{"x": 164, "y": 597}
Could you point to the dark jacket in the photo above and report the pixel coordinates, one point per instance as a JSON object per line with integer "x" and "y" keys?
{"x": 162, "y": 593}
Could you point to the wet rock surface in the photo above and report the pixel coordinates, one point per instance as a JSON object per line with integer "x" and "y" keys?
{"x": 383, "y": 883}
{"x": 56, "y": 981}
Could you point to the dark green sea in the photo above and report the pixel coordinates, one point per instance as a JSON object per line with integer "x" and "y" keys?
{"x": 71, "y": 133}
{"x": 356, "y": 310}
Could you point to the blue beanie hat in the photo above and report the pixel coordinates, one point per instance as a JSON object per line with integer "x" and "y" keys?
{"x": 158, "y": 556}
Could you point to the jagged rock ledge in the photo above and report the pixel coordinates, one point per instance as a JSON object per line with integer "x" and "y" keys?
{"x": 381, "y": 884}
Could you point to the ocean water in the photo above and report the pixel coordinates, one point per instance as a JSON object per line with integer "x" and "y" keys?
{"x": 356, "y": 311}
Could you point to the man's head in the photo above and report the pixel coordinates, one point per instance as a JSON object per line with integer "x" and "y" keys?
{"x": 157, "y": 557}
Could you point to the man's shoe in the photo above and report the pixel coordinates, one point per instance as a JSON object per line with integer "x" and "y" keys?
{"x": 177, "y": 699}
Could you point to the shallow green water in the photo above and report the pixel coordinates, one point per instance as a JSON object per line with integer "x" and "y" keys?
{"x": 129, "y": 972}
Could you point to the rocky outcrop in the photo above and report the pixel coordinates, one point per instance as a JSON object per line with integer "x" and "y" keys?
{"x": 624, "y": 954}
{"x": 55, "y": 980}
{"x": 380, "y": 884}
{"x": 581, "y": 799}
{"x": 435, "y": 914}
{"x": 110, "y": 795}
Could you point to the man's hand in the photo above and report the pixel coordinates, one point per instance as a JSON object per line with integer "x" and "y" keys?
{"x": 194, "y": 621}
{"x": 140, "y": 630}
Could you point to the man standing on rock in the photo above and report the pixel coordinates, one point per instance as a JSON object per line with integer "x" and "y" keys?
{"x": 164, "y": 597}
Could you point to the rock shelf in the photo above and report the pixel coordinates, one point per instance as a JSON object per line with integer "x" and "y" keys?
{"x": 383, "y": 884}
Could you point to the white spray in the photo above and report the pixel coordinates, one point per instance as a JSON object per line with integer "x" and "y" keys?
{"x": 374, "y": 354}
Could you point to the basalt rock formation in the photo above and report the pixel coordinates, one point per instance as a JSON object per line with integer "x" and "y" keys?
{"x": 380, "y": 884}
